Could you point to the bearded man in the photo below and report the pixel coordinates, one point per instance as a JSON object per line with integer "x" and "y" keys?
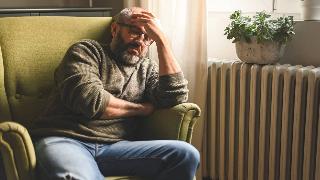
{"x": 88, "y": 130}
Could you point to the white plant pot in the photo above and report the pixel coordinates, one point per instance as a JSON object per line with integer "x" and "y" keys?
{"x": 310, "y": 9}
{"x": 259, "y": 53}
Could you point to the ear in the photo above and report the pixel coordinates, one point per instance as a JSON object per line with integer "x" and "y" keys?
{"x": 114, "y": 29}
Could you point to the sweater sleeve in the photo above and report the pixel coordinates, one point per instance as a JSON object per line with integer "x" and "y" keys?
{"x": 78, "y": 79}
{"x": 167, "y": 90}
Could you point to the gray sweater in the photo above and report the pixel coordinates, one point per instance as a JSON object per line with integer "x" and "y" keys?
{"x": 84, "y": 81}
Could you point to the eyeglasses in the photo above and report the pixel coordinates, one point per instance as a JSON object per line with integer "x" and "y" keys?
{"x": 136, "y": 32}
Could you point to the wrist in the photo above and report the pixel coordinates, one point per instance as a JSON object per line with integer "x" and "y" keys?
{"x": 162, "y": 40}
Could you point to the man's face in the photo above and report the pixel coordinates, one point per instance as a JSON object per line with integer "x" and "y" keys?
{"x": 130, "y": 43}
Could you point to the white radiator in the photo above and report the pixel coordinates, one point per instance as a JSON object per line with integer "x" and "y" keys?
{"x": 263, "y": 122}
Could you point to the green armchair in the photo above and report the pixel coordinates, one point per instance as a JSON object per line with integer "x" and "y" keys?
{"x": 30, "y": 49}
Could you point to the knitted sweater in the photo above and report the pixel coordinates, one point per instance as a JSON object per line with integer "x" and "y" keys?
{"x": 84, "y": 81}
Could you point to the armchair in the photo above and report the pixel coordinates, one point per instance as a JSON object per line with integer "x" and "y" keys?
{"x": 30, "y": 49}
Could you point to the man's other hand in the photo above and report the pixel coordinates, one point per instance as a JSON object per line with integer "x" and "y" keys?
{"x": 147, "y": 109}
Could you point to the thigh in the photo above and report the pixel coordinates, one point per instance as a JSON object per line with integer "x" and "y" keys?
{"x": 140, "y": 158}
{"x": 65, "y": 158}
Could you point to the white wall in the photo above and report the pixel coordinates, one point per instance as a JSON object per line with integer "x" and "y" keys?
{"x": 304, "y": 48}
{"x": 218, "y": 44}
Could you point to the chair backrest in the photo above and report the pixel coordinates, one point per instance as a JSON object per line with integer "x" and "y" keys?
{"x": 30, "y": 50}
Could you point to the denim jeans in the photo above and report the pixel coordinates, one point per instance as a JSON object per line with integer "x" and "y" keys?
{"x": 67, "y": 158}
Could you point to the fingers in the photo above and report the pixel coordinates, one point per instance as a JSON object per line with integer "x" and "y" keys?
{"x": 145, "y": 13}
{"x": 148, "y": 23}
{"x": 141, "y": 19}
{"x": 148, "y": 13}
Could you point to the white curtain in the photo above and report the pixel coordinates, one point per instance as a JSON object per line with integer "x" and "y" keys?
{"x": 184, "y": 22}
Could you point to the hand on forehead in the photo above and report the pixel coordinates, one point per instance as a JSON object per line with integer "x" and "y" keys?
{"x": 138, "y": 17}
{"x": 139, "y": 14}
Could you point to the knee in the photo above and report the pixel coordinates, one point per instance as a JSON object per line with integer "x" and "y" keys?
{"x": 190, "y": 153}
{"x": 186, "y": 153}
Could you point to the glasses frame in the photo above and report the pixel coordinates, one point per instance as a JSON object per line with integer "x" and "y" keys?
{"x": 135, "y": 33}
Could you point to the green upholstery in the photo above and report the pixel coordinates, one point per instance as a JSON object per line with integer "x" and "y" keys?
{"x": 30, "y": 50}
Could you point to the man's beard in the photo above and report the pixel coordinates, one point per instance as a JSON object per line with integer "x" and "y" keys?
{"x": 121, "y": 51}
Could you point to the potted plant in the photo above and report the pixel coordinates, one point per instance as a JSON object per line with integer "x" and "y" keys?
{"x": 260, "y": 39}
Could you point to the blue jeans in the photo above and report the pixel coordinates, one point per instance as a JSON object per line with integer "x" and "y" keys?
{"x": 67, "y": 158}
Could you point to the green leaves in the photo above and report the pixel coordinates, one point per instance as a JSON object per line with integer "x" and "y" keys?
{"x": 260, "y": 26}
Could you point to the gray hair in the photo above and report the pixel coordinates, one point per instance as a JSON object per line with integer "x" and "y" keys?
{"x": 122, "y": 15}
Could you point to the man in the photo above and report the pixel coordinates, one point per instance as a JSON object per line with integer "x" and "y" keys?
{"x": 101, "y": 92}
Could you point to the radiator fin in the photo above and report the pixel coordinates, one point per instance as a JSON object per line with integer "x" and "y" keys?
{"x": 263, "y": 122}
